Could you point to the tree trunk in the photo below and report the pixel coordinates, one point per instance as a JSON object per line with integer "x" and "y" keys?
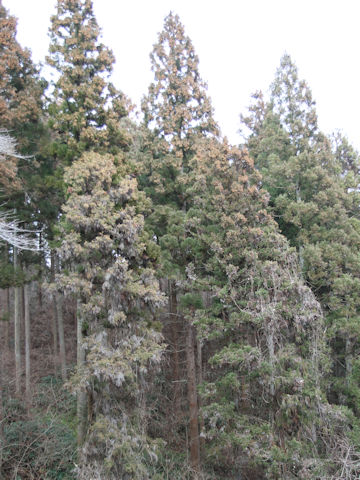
{"x": 60, "y": 323}
{"x": 81, "y": 397}
{"x": 199, "y": 382}
{"x": 271, "y": 352}
{"x": 3, "y": 353}
{"x": 2, "y": 437}
{"x": 17, "y": 329}
{"x": 271, "y": 349}
{"x": 5, "y": 314}
{"x": 43, "y": 256}
{"x": 27, "y": 345}
{"x": 193, "y": 402}
{"x": 59, "y": 319}
{"x": 54, "y": 316}
{"x": 175, "y": 349}
{"x": 7, "y": 317}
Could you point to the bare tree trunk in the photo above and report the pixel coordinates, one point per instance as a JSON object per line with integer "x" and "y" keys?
{"x": 199, "y": 382}
{"x": 59, "y": 319}
{"x": 2, "y": 436}
{"x": 27, "y": 345}
{"x": 17, "y": 332}
{"x": 22, "y": 301}
{"x": 193, "y": 401}
{"x": 3, "y": 352}
{"x": 60, "y": 323}
{"x": 41, "y": 273}
{"x": 54, "y": 316}
{"x": 7, "y": 318}
{"x": 271, "y": 349}
{"x": 175, "y": 344}
{"x": 81, "y": 397}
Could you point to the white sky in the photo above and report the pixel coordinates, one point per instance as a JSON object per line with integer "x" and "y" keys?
{"x": 239, "y": 43}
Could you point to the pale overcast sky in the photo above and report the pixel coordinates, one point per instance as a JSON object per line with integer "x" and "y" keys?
{"x": 239, "y": 44}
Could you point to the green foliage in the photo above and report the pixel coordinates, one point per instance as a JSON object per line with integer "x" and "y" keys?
{"x": 191, "y": 300}
{"x": 206, "y": 229}
{"x": 42, "y": 443}
{"x": 86, "y": 109}
{"x": 85, "y": 112}
{"x": 21, "y": 114}
{"x": 313, "y": 186}
{"x": 9, "y": 277}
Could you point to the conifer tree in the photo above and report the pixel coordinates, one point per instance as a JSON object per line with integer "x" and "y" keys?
{"x": 85, "y": 110}
{"x": 262, "y": 332}
{"x": 107, "y": 256}
{"x": 110, "y": 270}
{"x": 177, "y": 103}
{"x": 21, "y": 112}
{"x": 20, "y": 87}
{"x": 86, "y": 107}
{"x": 178, "y": 113}
{"x": 21, "y": 92}
{"x": 314, "y": 196}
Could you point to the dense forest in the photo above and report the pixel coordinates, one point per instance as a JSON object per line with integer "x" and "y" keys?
{"x": 172, "y": 306}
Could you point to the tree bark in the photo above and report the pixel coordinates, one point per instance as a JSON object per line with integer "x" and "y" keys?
{"x": 17, "y": 333}
{"x": 59, "y": 319}
{"x": 27, "y": 345}
{"x": 60, "y": 323}
{"x": 199, "y": 382}
{"x": 54, "y": 316}
{"x": 271, "y": 349}
{"x": 175, "y": 349}
{"x": 42, "y": 266}
{"x": 3, "y": 352}
{"x": 7, "y": 316}
{"x": 194, "y": 441}
{"x": 81, "y": 397}
{"x": 2, "y": 437}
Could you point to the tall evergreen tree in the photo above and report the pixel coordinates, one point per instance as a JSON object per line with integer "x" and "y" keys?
{"x": 314, "y": 194}
{"x": 110, "y": 260}
{"x": 265, "y": 413}
{"x": 177, "y": 103}
{"x": 20, "y": 87}
{"x": 86, "y": 108}
{"x": 86, "y": 111}
{"x": 108, "y": 257}
{"x": 21, "y": 114}
{"x": 178, "y": 113}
